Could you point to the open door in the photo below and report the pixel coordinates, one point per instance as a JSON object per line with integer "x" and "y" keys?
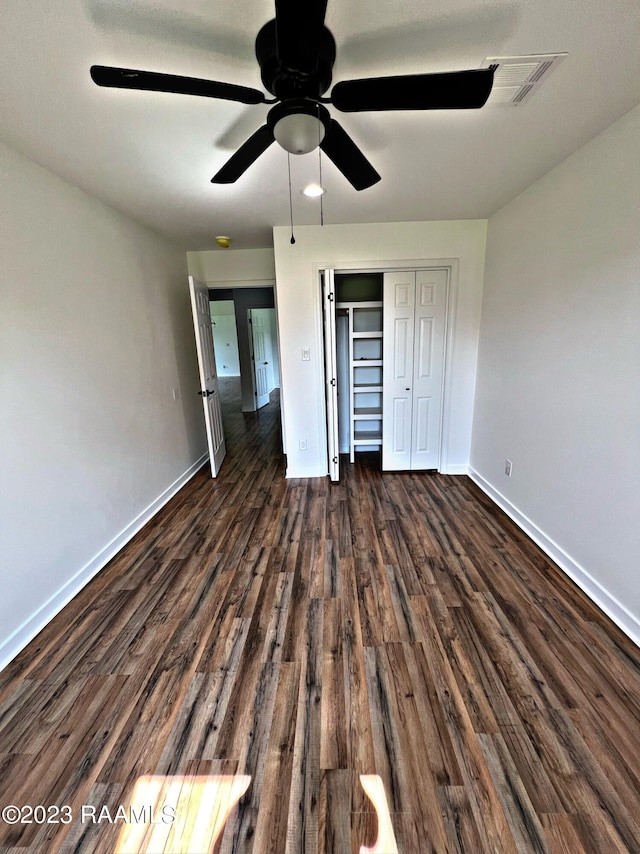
{"x": 209, "y": 390}
{"x": 259, "y": 359}
{"x": 331, "y": 372}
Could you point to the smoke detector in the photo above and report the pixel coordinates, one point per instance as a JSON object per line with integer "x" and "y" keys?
{"x": 518, "y": 77}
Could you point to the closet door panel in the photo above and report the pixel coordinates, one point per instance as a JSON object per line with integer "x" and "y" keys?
{"x": 424, "y": 349}
{"x": 428, "y": 367}
{"x": 401, "y": 444}
{"x": 422, "y": 437}
{"x": 402, "y": 365}
{"x": 398, "y": 344}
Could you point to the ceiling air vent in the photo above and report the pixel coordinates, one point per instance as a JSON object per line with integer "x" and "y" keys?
{"x": 518, "y": 77}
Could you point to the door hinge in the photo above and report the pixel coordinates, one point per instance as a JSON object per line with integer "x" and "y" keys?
{"x": 330, "y": 297}
{"x": 333, "y": 382}
{"x": 335, "y": 460}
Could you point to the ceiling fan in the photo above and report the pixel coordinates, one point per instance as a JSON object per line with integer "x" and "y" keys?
{"x": 296, "y": 53}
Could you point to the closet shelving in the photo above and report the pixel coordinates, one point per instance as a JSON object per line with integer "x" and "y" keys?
{"x": 365, "y": 374}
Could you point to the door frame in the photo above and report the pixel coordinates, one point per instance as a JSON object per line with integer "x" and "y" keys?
{"x": 452, "y": 264}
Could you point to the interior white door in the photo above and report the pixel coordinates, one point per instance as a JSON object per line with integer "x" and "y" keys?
{"x": 397, "y": 358}
{"x": 259, "y": 357}
{"x": 267, "y": 316}
{"x": 209, "y": 390}
{"x": 331, "y": 372}
{"x": 428, "y": 367}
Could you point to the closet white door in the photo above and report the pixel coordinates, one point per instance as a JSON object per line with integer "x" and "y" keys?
{"x": 397, "y": 358}
{"x": 428, "y": 367}
{"x": 331, "y": 373}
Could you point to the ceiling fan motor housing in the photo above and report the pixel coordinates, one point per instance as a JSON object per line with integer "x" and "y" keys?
{"x": 296, "y": 135}
{"x": 285, "y": 82}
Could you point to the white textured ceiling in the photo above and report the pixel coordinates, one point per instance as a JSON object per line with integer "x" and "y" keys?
{"x": 152, "y": 155}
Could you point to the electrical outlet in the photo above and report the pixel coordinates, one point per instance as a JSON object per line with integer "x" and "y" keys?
{"x": 302, "y": 444}
{"x": 507, "y": 467}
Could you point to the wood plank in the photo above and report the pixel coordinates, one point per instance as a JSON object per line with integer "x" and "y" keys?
{"x": 333, "y": 738}
{"x": 523, "y": 821}
{"x": 335, "y": 823}
{"x": 459, "y": 821}
{"x": 271, "y": 827}
{"x": 303, "y": 820}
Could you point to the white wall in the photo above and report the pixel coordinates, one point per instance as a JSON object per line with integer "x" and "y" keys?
{"x": 558, "y": 388}
{"x": 232, "y": 266}
{"x": 97, "y": 333}
{"x": 299, "y": 319}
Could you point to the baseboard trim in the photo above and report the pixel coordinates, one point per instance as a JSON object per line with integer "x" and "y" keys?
{"x": 300, "y": 473}
{"x": 598, "y": 594}
{"x": 456, "y": 469}
{"x": 25, "y": 633}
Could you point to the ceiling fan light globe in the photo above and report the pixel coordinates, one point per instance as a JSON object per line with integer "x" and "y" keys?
{"x": 312, "y": 191}
{"x": 299, "y": 133}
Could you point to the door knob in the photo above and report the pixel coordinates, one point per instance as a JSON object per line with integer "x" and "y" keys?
{"x": 265, "y": 363}
{"x": 206, "y": 393}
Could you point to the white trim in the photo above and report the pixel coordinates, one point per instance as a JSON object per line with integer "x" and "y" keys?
{"x": 615, "y": 610}
{"x": 456, "y": 469}
{"x": 322, "y": 437}
{"x": 239, "y": 283}
{"x": 304, "y": 472}
{"x": 25, "y": 633}
{"x": 446, "y": 425}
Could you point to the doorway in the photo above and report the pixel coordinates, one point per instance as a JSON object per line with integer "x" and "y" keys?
{"x": 230, "y": 310}
{"x": 386, "y": 335}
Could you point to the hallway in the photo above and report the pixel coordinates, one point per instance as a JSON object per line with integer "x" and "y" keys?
{"x": 303, "y": 633}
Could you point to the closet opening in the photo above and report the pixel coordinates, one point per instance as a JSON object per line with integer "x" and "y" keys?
{"x": 385, "y": 338}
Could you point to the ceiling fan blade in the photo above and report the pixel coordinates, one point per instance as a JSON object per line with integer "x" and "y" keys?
{"x": 453, "y": 90}
{"x": 152, "y": 81}
{"x": 298, "y": 30}
{"x": 345, "y": 154}
{"x": 247, "y": 154}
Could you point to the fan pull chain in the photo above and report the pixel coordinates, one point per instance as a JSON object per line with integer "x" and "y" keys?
{"x": 320, "y": 171}
{"x": 293, "y": 240}
{"x": 321, "y": 194}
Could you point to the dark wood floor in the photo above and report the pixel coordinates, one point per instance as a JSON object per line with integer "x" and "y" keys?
{"x": 304, "y": 634}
